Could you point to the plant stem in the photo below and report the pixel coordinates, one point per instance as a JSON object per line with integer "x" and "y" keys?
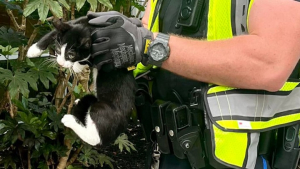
{"x": 72, "y": 11}
{"x": 74, "y": 156}
{"x": 63, "y": 160}
{"x": 21, "y": 157}
{"x": 32, "y": 37}
{"x": 28, "y": 159}
{"x": 11, "y": 106}
{"x": 14, "y": 21}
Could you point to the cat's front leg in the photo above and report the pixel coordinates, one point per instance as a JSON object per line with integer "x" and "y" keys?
{"x": 88, "y": 133}
{"x": 34, "y": 51}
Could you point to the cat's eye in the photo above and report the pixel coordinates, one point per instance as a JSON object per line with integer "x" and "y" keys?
{"x": 71, "y": 55}
{"x": 58, "y": 51}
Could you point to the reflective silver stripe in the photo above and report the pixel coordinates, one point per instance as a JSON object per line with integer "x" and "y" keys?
{"x": 252, "y": 150}
{"x": 253, "y": 105}
{"x": 241, "y": 11}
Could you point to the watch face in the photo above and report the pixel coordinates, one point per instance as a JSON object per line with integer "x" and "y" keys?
{"x": 158, "y": 52}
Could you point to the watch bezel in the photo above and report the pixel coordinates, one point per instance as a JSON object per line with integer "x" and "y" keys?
{"x": 164, "y": 43}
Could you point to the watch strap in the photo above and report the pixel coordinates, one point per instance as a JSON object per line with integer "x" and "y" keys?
{"x": 163, "y": 37}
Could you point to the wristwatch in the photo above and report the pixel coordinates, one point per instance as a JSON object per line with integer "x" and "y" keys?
{"x": 159, "y": 50}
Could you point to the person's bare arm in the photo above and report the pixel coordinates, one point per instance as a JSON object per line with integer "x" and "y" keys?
{"x": 146, "y": 14}
{"x": 264, "y": 59}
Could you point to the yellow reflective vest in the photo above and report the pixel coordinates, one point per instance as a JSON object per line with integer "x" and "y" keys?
{"x": 237, "y": 116}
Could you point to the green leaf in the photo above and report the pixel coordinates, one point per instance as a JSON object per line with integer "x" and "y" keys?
{"x": 28, "y": 61}
{"x": 106, "y": 3}
{"x": 24, "y": 102}
{"x": 50, "y": 135}
{"x": 19, "y": 82}
{"x": 43, "y": 10}
{"x": 11, "y": 6}
{"x": 11, "y": 37}
{"x": 5, "y": 75}
{"x": 43, "y": 165}
{"x": 8, "y": 50}
{"x": 44, "y": 74}
{"x": 20, "y": 106}
{"x": 31, "y": 7}
{"x": 135, "y": 4}
{"x": 93, "y": 4}
{"x": 103, "y": 159}
{"x": 55, "y": 8}
{"x": 123, "y": 141}
{"x": 8, "y": 160}
{"x": 79, "y": 4}
{"x": 64, "y": 3}
{"x": 74, "y": 167}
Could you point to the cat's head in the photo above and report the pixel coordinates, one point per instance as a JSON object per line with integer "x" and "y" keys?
{"x": 72, "y": 45}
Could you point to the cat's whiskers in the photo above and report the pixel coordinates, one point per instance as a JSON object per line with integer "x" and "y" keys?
{"x": 50, "y": 62}
{"x": 57, "y": 42}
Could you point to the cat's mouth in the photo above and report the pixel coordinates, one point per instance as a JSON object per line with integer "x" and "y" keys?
{"x": 66, "y": 64}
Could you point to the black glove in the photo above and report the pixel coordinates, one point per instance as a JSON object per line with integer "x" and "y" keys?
{"x": 118, "y": 40}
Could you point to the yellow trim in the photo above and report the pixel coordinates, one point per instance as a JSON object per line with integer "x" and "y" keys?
{"x": 230, "y": 147}
{"x": 148, "y": 41}
{"x": 219, "y": 20}
{"x": 288, "y": 86}
{"x": 260, "y": 125}
{"x": 219, "y": 89}
{"x": 249, "y": 8}
{"x": 155, "y": 27}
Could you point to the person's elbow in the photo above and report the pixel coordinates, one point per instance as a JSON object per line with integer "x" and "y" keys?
{"x": 275, "y": 76}
{"x": 273, "y": 82}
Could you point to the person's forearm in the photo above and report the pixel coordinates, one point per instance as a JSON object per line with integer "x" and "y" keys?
{"x": 243, "y": 62}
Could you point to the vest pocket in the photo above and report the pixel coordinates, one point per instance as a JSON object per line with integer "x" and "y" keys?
{"x": 237, "y": 116}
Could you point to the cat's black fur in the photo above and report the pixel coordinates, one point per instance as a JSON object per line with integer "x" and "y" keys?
{"x": 115, "y": 89}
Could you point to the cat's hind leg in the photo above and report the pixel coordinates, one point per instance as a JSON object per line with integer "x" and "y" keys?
{"x": 88, "y": 133}
{"x": 80, "y": 120}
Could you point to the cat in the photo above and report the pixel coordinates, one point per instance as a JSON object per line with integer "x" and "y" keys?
{"x": 96, "y": 120}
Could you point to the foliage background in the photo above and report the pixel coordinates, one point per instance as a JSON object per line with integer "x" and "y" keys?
{"x": 36, "y": 93}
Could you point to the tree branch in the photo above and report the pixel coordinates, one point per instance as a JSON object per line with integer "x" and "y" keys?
{"x": 14, "y": 21}
{"x": 72, "y": 11}
{"x": 11, "y": 106}
{"x": 63, "y": 160}
{"x": 32, "y": 37}
{"x": 28, "y": 160}
{"x": 23, "y": 17}
{"x": 74, "y": 156}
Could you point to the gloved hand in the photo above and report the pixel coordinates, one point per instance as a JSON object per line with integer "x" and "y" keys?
{"x": 119, "y": 40}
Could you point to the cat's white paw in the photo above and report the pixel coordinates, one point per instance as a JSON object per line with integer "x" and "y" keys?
{"x": 76, "y": 101}
{"x": 68, "y": 120}
{"x": 77, "y": 67}
{"x": 34, "y": 51}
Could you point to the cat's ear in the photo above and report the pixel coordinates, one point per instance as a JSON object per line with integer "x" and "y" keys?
{"x": 86, "y": 42}
{"x": 61, "y": 26}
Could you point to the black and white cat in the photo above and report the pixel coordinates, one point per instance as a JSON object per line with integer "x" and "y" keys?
{"x": 96, "y": 120}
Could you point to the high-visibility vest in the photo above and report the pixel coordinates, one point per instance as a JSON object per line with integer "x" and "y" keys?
{"x": 237, "y": 116}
